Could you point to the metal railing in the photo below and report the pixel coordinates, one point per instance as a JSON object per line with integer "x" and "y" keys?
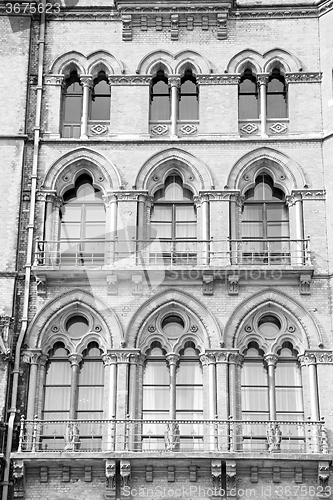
{"x": 165, "y": 253}
{"x": 134, "y": 435}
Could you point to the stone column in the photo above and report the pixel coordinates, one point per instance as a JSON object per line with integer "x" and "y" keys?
{"x": 202, "y": 206}
{"x": 75, "y": 360}
{"x": 271, "y": 360}
{"x": 297, "y": 250}
{"x": 235, "y": 249}
{"x": 309, "y": 361}
{"x": 54, "y": 88}
{"x": 262, "y": 81}
{"x": 111, "y": 208}
{"x": 34, "y": 359}
{"x": 212, "y": 385}
{"x": 87, "y": 84}
{"x": 222, "y": 396}
{"x": 172, "y": 360}
{"x": 110, "y": 394}
{"x": 174, "y": 83}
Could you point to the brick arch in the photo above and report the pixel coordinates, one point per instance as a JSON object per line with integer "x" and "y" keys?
{"x": 286, "y": 61}
{"x": 311, "y": 335}
{"x": 83, "y": 299}
{"x": 286, "y": 173}
{"x": 114, "y": 65}
{"x": 195, "y": 171}
{"x": 183, "y": 300}
{"x": 263, "y": 62}
{"x": 173, "y": 63}
{"x": 62, "y": 63}
{"x": 245, "y": 58}
{"x": 105, "y": 175}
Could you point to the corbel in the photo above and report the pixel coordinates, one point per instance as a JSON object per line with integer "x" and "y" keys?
{"x": 276, "y": 475}
{"x": 305, "y": 284}
{"x": 88, "y": 474}
{"x": 65, "y": 474}
{"x": 149, "y": 473}
{"x": 125, "y": 473}
{"x": 193, "y": 473}
{"x": 216, "y": 470}
{"x": 127, "y": 27}
{"x": 41, "y": 285}
{"x": 190, "y": 23}
{"x": 323, "y": 475}
{"x": 208, "y": 284}
{"x": 171, "y": 474}
{"x": 19, "y": 478}
{"x": 222, "y": 26}
{"x": 298, "y": 475}
{"x": 231, "y": 478}
{"x": 44, "y": 474}
{"x": 233, "y": 284}
{"x": 112, "y": 284}
{"x": 254, "y": 475}
{"x": 144, "y": 23}
{"x": 110, "y": 475}
{"x": 205, "y": 23}
{"x": 174, "y": 18}
{"x": 137, "y": 286}
{"x": 159, "y": 23}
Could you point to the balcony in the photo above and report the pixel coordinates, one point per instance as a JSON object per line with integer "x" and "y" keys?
{"x": 125, "y": 254}
{"x": 159, "y": 437}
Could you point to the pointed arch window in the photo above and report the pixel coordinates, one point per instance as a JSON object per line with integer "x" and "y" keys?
{"x": 100, "y": 99}
{"x": 188, "y": 97}
{"x": 82, "y": 228}
{"x": 174, "y": 222}
{"x": 276, "y": 95}
{"x": 160, "y": 98}
{"x": 265, "y": 222}
{"x": 248, "y": 102}
{"x": 72, "y": 107}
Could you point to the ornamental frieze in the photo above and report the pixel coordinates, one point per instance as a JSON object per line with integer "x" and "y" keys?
{"x": 129, "y": 80}
{"x": 301, "y": 77}
{"x": 226, "y": 79}
{"x": 53, "y": 79}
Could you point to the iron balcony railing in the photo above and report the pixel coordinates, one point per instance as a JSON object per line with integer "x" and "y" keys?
{"x": 172, "y": 436}
{"x": 165, "y": 253}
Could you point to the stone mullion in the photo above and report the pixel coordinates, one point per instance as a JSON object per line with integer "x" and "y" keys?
{"x": 110, "y": 381}
{"x": 308, "y": 361}
{"x": 122, "y": 399}
{"x": 33, "y": 387}
{"x": 262, "y": 80}
{"x": 271, "y": 360}
{"x": 172, "y": 360}
{"x": 111, "y": 210}
{"x": 75, "y": 360}
{"x": 174, "y": 83}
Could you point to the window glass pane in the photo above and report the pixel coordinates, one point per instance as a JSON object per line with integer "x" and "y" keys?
{"x": 162, "y": 213}
{"x": 189, "y": 372}
{"x": 254, "y": 399}
{"x": 70, "y": 231}
{"x": 185, "y": 231}
{"x": 155, "y": 398}
{"x": 276, "y": 106}
{"x": 188, "y": 107}
{"x": 57, "y": 398}
{"x": 90, "y": 398}
{"x": 252, "y": 213}
{"x": 276, "y": 212}
{"x": 253, "y": 374}
{"x": 156, "y": 372}
{"x": 185, "y": 213}
{"x": 100, "y": 108}
{"x": 287, "y": 374}
{"x": 173, "y": 189}
{"x": 248, "y": 107}
{"x": 102, "y": 87}
{"x": 95, "y": 212}
{"x": 160, "y": 108}
{"x": 289, "y": 399}
{"x": 73, "y": 109}
{"x": 252, "y": 230}
{"x": 77, "y": 326}
{"x": 94, "y": 231}
{"x": 58, "y": 373}
{"x": 74, "y": 88}
{"x": 71, "y": 213}
{"x": 92, "y": 373}
{"x": 189, "y": 398}
{"x": 163, "y": 230}
{"x": 277, "y": 230}
{"x": 174, "y": 327}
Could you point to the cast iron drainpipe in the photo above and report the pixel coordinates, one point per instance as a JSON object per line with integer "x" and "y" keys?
{"x": 24, "y": 325}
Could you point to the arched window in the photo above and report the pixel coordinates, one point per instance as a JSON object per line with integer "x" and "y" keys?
{"x": 248, "y": 103}
{"x": 100, "y": 99}
{"x": 159, "y": 98}
{"x": 188, "y": 97}
{"x": 288, "y": 383}
{"x": 265, "y": 223}
{"x": 82, "y": 228}
{"x": 276, "y": 95}
{"x": 72, "y": 107}
{"x": 173, "y": 222}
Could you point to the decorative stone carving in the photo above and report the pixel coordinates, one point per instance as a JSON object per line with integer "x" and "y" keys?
{"x": 19, "y": 478}
{"x": 233, "y": 285}
{"x": 171, "y": 474}
{"x": 249, "y": 128}
{"x": 109, "y": 359}
{"x": 273, "y": 13}
{"x": 278, "y": 128}
{"x": 276, "y": 475}
{"x": 324, "y": 440}
{"x": 88, "y": 474}
{"x": 222, "y": 25}
{"x": 72, "y": 437}
{"x": 216, "y": 468}
{"x": 305, "y": 284}
{"x": 5, "y": 325}
{"x": 137, "y": 285}
{"x": 99, "y": 129}
{"x": 65, "y": 474}
{"x": 149, "y": 473}
{"x": 112, "y": 284}
{"x": 254, "y": 475}
{"x": 43, "y": 477}
{"x": 208, "y": 284}
{"x": 129, "y": 80}
{"x": 307, "y": 359}
{"x": 86, "y": 81}
{"x": 110, "y": 475}
{"x": 127, "y": 27}
{"x": 160, "y": 129}
{"x": 188, "y": 129}
{"x": 298, "y": 475}
{"x": 274, "y": 437}
{"x": 172, "y": 437}
{"x": 193, "y": 473}
{"x": 302, "y": 77}
{"x": 231, "y": 478}
{"x": 262, "y": 79}
{"x": 125, "y": 473}
{"x": 41, "y": 285}
{"x": 53, "y": 80}
{"x": 226, "y": 79}
{"x": 174, "y": 19}
{"x": 324, "y": 358}
{"x": 323, "y": 474}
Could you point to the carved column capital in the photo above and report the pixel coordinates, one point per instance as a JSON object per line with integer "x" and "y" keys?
{"x": 174, "y": 81}
{"x": 262, "y": 78}
{"x": 109, "y": 199}
{"x": 172, "y": 358}
{"x": 271, "y": 359}
{"x": 75, "y": 359}
{"x": 307, "y": 359}
{"x": 236, "y": 358}
{"x": 109, "y": 359}
{"x": 86, "y": 81}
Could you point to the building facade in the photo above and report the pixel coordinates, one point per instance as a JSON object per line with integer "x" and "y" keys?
{"x": 166, "y": 285}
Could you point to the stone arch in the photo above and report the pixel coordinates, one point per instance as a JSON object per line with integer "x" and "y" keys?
{"x": 173, "y": 63}
{"x": 152, "y": 61}
{"x": 245, "y": 58}
{"x": 286, "y": 173}
{"x": 265, "y": 299}
{"x": 80, "y": 300}
{"x": 67, "y": 62}
{"x": 286, "y": 62}
{"x": 193, "y": 58}
{"x": 63, "y": 173}
{"x": 194, "y": 171}
{"x": 102, "y": 57}
{"x": 183, "y": 300}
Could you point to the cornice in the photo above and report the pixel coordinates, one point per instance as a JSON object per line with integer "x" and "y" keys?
{"x": 273, "y": 13}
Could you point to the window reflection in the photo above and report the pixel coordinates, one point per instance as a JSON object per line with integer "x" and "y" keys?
{"x": 72, "y": 107}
